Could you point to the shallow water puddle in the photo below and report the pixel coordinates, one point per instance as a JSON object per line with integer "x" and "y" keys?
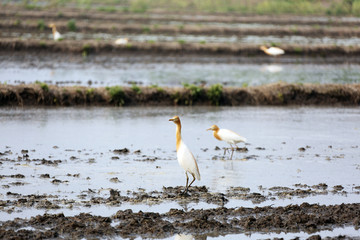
{"x": 349, "y": 231}
{"x": 295, "y": 155}
{"x": 251, "y": 39}
{"x": 173, "y": 74}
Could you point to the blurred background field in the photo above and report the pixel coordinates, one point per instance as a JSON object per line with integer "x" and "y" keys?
{"x": 298, "y": 7}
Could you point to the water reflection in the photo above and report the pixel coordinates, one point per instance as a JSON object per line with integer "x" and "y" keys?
{"x": 183, "y": 237}
{"x": 272, "y": 68}
{"x": 147, "y": 74}
{"x": 249, "y": 39}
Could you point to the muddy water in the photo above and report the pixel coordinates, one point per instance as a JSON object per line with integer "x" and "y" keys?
{"x": 123, "y": 71}
{"x": 250, "y": 39}
{"x": 286, "y": 146}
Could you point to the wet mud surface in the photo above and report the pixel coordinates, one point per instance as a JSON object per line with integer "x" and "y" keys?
{"x": 91, "y": 47}
{"x": 271, "y": 94}
{"x": 309, "y": 218}
{"x": 215, "y": 221}
{"x": 166, "y": 17}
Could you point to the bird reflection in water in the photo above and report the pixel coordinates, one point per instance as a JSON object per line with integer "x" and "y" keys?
{"x": 272, "y": 68}
{"x": 183, "y": 237}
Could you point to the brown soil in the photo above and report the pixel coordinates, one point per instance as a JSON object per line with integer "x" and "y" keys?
{"x": 218, "y": 221}
{"x": 309, "y": 218}
{"x": 138, "y": 28}
{"x": 168, "y": 48}
{"x": 165, "y": 17}
{"x": 271, "y": 94}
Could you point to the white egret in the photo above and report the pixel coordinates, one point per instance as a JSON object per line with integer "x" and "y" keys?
{"x": 227, "y": 136}
{"x": 121, "y": 41}
{"x": 185, "y": 158}
{"x": 57, "y": 36}
{"x": 272, "y": 51}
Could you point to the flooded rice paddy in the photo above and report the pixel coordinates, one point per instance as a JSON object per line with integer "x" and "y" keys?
{"x": 89, "y": 172}
{"x": 127, "y": 71}
{"x": 187, "y": 38}
{"x": 73, "y": 155}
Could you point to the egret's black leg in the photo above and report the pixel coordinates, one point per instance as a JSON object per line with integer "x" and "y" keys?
{"x": 187, "y": 181}
{"x": 192, "y": 180}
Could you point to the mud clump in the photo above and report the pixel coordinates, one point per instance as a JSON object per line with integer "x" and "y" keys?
{"x": 126, "y": 223}
{"x": 122, "y": 151}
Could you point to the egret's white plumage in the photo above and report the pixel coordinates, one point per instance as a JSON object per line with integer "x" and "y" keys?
{"x": 185, "y": 158}
{"x": 272, "y": 51}
{"x": 227, "y": 136}
{"x": 56, "y": 35}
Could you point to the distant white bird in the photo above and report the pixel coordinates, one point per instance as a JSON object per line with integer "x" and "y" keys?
{"x": 121, "y": 41}
{"x": 185, "y": 158}
{"x": 227, "y": 136}
{"x": 272, "y": 51}
{"x": 56, "y": 35}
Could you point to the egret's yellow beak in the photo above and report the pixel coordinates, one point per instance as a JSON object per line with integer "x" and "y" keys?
{"x": 171, "y": 119}
{"x": 208, "y": 129}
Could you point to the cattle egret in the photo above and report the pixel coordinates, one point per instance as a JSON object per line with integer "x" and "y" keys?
{"x": 272, "y": 51}
{"x": 185, "y": 158}
{"x": 57, "y": 36}
{"x": 227, "y": 136}
{"x": 121, "y": 41}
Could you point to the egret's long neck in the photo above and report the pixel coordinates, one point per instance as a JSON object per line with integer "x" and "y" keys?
{"x": 54, "y": 30}
{"x": 216, "y": 135}
{"x": 178, "y": 135}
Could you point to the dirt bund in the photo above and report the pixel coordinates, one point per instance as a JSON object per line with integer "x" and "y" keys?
{"x": 210, "y": 222}
{"x": 64, "y": 13}
{"x": 279, "y": 94}
{"x": 87, "y": 47}
{"x": 210, "y": 30}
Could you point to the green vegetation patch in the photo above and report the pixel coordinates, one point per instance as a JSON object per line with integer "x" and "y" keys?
{"x": 71, "y": 25}
{"x": 117, "y": 95}
{"x": 195, "y": 93}
{"x": 43, "y": 85}
{"x": 214, "y": 93}
{"x": 136, "y": 88}
{"x": 41, "y": 25}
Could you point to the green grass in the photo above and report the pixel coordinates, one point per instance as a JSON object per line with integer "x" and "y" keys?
{"x": 262, "y": 7}
{"x": 303, "y": 7}
{"x": 117, "y": 95}
{"x": 43, "y": 85}
{"x": 136, "y": 88}
{"x": 214, "y": 94}
{"x": 110, "y": 9}
{"x": 155, "y": 86}
{"x": 146, "y": 29}
{"x": 195, "y": 92}
{"x": 139, "y": 6}
{"x": 41, "y": 25}
{"x": 17, "y": 22}
{"x": 181, "y": 41}
{"x": 86, "y": 50}
{"x": 71, "y": 25}
{"x": 42, "y": 44}
{"x": 90, "y": 91}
